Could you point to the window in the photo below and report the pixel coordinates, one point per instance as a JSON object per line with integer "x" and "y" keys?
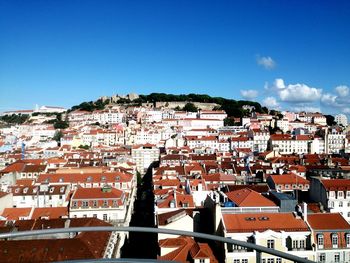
{"x": 271, "y": 243}
{"x": 115, "y": 203}
{"x": 322, "y": 257}
{"x": 335, "y": 240}
{"x": 320, "y": 240}
{"x": 337, "y": 257}
{"x": 74, "y": 204}
{"x": 270, "y": 260}
{"x": 236, "y": 261}
{"x": 295, "y": 243}
{"x": 347, "y": 240}
{"x": 85, "y": 204}
{"x": 340, "y": 204}
{"x": 94, "y": 215}
{"x": 244, "y": 260}
{"x": 278, "y": 260}
{"x": 105, "y": 203}
{"x": 340, "y": 194}
{"x": 201, "y": 260}
{"x": 105, "y": 217}
{"x": 302, "y": 243}
{"x": 94, "y": 203}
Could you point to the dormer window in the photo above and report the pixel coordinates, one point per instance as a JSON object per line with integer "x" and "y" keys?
{"x": 335, "y": 240}
{"x": 89, "y": 179}
{"x": 62, "y": 189}
{"x": 340, "y": 194}
{"x": 117, "y": 178}
{"x": 52, "y": 189}
{"x": 25, "y": 190}
{"x": 103, "y": 178}
{"x": 61, "y": 180}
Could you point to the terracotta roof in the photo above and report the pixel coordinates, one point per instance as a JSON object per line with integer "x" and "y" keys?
{"x": 94, "y": 193}
{"x": 186, "y": 248}
{"x": 163, "y": 219}
{"x": 336, "y": 184}
{"x": 89, "y": 245}
{"x": 49, "y": 212}
{"x": 263, "y": 221}
{"x": 16, "y": 213}
{"x": 289, "y": 179}
{"x": 2, "y": 194}
{"x": 85, "y": 177}
{"x": 327, "y": 221}
{"x": 249, "y": 198}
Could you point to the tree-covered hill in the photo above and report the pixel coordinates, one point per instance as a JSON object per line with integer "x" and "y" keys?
{"x": 232, "y": 107}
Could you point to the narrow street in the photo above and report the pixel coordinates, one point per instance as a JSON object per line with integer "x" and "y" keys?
{"x": 142, "y": 245}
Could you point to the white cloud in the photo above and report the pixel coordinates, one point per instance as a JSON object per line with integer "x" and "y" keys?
{"x": 266, "y": 62}
{"x": 279, "y": 84}
{"x": 329, "y": 99}
{"x": 342, "y": 90}
{"x": 249, "y": 94}
{"x": 296, "y": 93}
{"x": 346, "y": 110}
{"x": 306, "y": 108}
{"x": 299, "y": 93}
{"x": 271, "y": 103}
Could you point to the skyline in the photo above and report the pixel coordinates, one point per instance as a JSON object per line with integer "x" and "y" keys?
{"x": 291, "y": 56}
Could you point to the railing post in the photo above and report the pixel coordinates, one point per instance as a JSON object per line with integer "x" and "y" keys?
{"x": 258, "y": 256}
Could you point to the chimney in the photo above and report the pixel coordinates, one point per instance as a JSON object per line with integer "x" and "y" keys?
{"x": 305, "y": 211}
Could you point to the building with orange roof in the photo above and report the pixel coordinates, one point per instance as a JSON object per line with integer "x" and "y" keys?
{"x": 248, "y": 198}
{"x": 107, "y": 203}
{"x": 185, "y": 249}
{"x": 333, "y": 194}
{"x": 61, "y": 247}
{"x": 288, "y": 183}
{"x": 330, "y": 237}
{"x": 181, "y": 219}
{"x": 277, "y": 231}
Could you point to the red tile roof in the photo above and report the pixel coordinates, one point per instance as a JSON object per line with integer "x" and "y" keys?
{"x": 249, "y": 198}
{"x": 237, "y": 223}
{"x": 327, "y": 221}
{"x": 336, "y": 184}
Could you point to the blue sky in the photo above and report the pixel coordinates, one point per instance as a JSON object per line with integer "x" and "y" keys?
{"x": 285, "y": 54}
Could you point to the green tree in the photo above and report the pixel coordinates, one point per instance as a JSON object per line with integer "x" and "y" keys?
{"x": 190, "y": 107}
{"x": 58, "y": 135}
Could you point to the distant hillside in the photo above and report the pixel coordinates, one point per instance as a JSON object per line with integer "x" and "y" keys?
{"x": 232, "y": 107}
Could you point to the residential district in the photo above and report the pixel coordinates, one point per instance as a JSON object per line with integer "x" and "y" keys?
{"x": 281, "y": 181}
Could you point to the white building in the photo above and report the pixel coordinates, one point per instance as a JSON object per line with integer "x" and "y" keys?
{"x": 334, "y": 194}
{"x": 280, "y": 231}
{"x": 107, "y": 203}
{"x": 40, "y": 195}
{"x": 330, "y": 237}
{"x": 213, "y": 114}
{"x": 341, "y": 119}
{"x": 335, "y": 142}
{"x": 144, "y": 156}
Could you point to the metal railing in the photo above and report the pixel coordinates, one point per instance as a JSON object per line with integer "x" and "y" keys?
{"x": 259, "y": 249}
